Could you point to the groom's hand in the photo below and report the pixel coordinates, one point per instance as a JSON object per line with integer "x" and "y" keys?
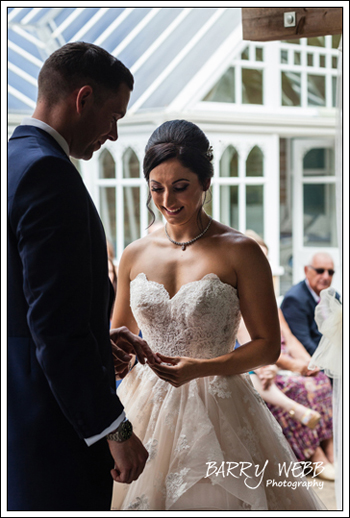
{"x": 129, "y": 459}
{"x": 126, "y": 341}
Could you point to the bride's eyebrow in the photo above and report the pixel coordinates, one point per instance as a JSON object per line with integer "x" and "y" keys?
{"x": 182, "y": 180}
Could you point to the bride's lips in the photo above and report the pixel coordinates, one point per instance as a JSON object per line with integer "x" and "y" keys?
{"x": 173, "y": 212}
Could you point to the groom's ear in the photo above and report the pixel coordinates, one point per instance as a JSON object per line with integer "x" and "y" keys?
{"x": 84, "y": 98}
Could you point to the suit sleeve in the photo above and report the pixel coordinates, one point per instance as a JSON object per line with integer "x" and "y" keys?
{"x": 51, "y": 221}
{"x": 297, "y": 319}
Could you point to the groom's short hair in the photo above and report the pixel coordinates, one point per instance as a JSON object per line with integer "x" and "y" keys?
{"x": 77, "y": 64}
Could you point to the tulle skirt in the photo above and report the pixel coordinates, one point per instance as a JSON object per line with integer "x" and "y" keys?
{"x": 213, "y": 445}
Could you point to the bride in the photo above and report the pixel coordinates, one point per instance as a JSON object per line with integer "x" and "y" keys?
{"x": 212, "y": 443}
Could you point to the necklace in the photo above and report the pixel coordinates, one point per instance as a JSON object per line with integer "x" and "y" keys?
{"x": 186, "y": 243}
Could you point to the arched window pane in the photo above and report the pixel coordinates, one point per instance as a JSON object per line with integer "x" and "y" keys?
{"x": 319, "y": 162}
{"x": 229, "y": 163}
{"x": 255, "y": 208}
{"x": 107, "y": 165}
{"x": 255, "y": 163}
{"x": 132, "y": 229}
{"x": 108, "y": 214}
{"x": 131, "y": 165}
{"x": 229, "y": 205}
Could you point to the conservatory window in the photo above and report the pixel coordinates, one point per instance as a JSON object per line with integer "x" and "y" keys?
{"x": 108, "y": 165}
{"x": 241, "y": 190}
{"x": 255, "y": 208}
{"x": 131, "y": 165}
{"x": 291, "y": 89}
{"x": 255, "y": 162}
{"x": 319, "y": 213}
{"x": 229, "y": 162}
{"x": 131, "y": 198}
{"x": 229, "y": 210}
{"x": 108, "y": 213}
{"x": 304, "y": 72}
{"x": 132, "y": 228}
{"x": 243, "y": 82}
{"x": 224, "y": 90}
{"x": 316, "y": 90}
{"x": 252, "y": 86}
{"x": 107, "y": 196}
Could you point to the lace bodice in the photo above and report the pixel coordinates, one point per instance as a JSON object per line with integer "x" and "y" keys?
{"x": 200, "y": 321}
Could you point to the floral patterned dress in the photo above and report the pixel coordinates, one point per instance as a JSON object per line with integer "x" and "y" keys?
{"x": 314, "y": 392}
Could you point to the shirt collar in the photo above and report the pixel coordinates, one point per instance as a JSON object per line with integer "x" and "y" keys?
{"x": 315, "y": 296}
{"x": 30, "y": 121}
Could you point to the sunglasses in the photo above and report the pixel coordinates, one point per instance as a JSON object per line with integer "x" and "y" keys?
{"x": 320, "y": 271}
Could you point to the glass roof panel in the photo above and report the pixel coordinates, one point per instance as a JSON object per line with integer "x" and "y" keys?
{"x": 122, "y": 31}
{"x": 22, "y": 85}
{"x": 195, "y": 59}
{"x": 23, "y": 43}
{"x": 148, "y": 35}
{"x": 23, "y": 63}
{"x": 62, "y": 15}
{"x": 78, "y": 22}
{"x": 168, "y": 51}
{"x": 40, "y": 14}
{"x": 18, "y": 106}
{"x": 101, "y": 24}
{"x": 21, "y": 14}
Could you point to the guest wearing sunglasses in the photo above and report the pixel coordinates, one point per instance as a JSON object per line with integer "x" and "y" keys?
{"x": 298, "y": 306}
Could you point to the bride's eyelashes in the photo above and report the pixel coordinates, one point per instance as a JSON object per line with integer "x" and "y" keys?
{"x": 176, "y": 189}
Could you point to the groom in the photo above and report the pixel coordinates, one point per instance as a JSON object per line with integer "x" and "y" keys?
{"x": 61, "y": 386}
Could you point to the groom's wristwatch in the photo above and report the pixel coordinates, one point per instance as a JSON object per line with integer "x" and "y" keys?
{"x": 122, "y": 433}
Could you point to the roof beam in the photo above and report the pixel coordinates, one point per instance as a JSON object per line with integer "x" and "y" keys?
{"x": 267, "y": 23}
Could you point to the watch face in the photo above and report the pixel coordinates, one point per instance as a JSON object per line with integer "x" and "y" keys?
{"x": 126, "y": 430}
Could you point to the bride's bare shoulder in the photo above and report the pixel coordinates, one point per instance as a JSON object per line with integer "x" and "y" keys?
{"x": 228, "y": 238}
{"x": 144, "y": 244}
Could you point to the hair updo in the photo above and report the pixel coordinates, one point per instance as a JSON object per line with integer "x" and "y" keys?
{"x": 184, "y": 141}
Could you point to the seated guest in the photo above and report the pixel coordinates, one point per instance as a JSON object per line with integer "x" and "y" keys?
{"x": 299, "y": 303}
{"x": 299, "y": 399}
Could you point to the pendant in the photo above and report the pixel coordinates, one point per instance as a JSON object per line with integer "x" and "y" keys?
{"x": 183, "y": 247}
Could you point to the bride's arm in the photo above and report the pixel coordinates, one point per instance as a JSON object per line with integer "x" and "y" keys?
{"x": 259, "y": 311}
{"x": 124, "y": 329}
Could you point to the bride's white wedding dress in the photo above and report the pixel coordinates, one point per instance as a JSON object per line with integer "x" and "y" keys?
{"x": 217, "y": 419}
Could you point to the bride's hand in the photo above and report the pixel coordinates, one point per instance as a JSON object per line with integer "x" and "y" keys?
{"x": 180, "y": 371}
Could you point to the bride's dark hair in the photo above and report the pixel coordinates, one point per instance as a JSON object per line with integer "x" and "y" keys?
{"x": 182, "y": 140}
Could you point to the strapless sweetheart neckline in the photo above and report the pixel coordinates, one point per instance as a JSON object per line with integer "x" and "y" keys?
{"x": 207, "y": 276}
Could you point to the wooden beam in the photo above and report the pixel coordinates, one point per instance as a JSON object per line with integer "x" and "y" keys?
{"x": 267, "y": 24}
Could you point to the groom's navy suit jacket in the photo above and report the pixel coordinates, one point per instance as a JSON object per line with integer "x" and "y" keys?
{"x": 61, "y": 385}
